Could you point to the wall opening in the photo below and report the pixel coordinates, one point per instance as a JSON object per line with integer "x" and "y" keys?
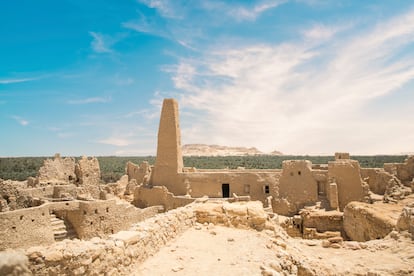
{"x": 321, "y": 188}
{"x": 267, "y": 189}
{"x": 247, "y": 188}
{"x": 299, "y": 172}
{"x": 225, "y": 189}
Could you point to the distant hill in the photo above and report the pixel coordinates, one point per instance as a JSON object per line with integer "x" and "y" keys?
{"x": 216, "y": 150}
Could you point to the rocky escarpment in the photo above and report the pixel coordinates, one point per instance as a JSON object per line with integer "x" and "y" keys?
{"x": 216, "y": 150}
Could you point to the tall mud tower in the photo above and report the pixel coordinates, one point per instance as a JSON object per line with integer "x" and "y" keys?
{"x": 169, "y": 161}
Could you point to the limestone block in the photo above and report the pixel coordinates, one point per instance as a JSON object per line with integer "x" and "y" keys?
{"x": 363, "y": 222}
{"x": 403, "y": 222}
{"x": 128, "y": 237}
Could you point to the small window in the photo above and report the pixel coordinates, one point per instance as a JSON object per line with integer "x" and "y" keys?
{"x": 267, "y": 189}
{"x": 247, "y": 188}
{"x": 299, "y": 172}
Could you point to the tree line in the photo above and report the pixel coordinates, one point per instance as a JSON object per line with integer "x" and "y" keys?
{"x": 113, "y": 167}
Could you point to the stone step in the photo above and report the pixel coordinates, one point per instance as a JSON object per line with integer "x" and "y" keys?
{"x": 57, "y": 222}
{"x": 60, "y": 235}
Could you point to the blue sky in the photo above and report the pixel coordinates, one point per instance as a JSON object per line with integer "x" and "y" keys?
{"x": 298, "y": 76}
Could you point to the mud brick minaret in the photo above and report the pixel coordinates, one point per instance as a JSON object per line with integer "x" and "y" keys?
{"x": 169, "y": 161}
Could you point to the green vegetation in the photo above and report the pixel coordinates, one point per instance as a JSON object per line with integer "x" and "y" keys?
{"x": 113, "y": 167}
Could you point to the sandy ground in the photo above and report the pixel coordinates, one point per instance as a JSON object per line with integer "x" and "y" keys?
{"x": 218, "y": 250}
{"x": 215, "y": 251}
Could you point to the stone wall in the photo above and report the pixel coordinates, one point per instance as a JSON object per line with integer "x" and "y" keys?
{"x": 297, "y": 187}
{"x": 346, "y": 174}
{"x": 377, "y": 179}
{"x": 363, "y": 221}
{"x": 403, "y": 171}
{"x": 140, "y": 173}
{"x": 114, "y": 256}
{"x": 323, "y": 221}
{"x": 245, "y": 215}
{"x": 25, "y": 227}
{"x": 256, "y": 184}
{"x": 158, "y": 195}
{"x": 103, "y": 217}
{"x": 87, "y": 171}
{"x": 32, "y": 226}
{"x": 57, "y": 170}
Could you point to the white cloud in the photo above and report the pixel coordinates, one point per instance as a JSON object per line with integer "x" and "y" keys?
{"x": 165, "y": 7}
{"x": 20, "y": 120}
{"x": 299, "y": 98}
{"x": 116, "y": 141}
{"x": 99, "y": 44}
{"x": 90, "y": 100}
{"x": 18, "y": 80}
{"x": 251, "y": 13}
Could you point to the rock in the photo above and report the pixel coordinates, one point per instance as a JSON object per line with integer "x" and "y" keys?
{"x": 351, "y": 245}
{"x": 335, "y": 240}
{"x": 53, "y": 256}
{"x": 13, "y": 263}
{"x": 230, "y": 239}
{"x": 128, "y": 237}
{"x": 335, "y": 245}
{"x": 177, "y": 268}
{"x": 326, "y": 243}
{"x": 311, "y": 243}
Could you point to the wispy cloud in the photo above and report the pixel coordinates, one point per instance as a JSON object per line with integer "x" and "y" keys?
{"x": 248, "y": 12}
{"x": 90, "y": 100}
{"x": 116, "y": 141}
{"x": 295, "y": 96}
{"x": 99, "y": 44}
{"x": 20, "y": 120}
{"x": 16, "y": 80}
{"x": 165, "y": 7}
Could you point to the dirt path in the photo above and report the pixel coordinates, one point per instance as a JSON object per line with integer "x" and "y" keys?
{"x": 218, "y": 250}
{"x": 215, "y": 251}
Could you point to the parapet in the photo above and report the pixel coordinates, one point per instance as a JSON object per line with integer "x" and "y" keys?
{"x": 342, "y": 155}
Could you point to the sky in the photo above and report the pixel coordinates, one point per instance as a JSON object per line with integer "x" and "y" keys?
{"x": 298, "y": 76}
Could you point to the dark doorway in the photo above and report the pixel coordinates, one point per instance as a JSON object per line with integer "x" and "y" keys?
{"x": 321, "y": 188}
{"x": 225, "y": 188}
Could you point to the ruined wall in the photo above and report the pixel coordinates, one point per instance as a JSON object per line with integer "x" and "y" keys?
{"x": 115, "y": 256}
{"x": 346, "y": 174}
{"x": 140, "y": 173}
{"x": 245, "y": 215}
{"x": 403, "y": 171}
{"x": 87, "y": 171}
{"x": 158, "y": 195}
{"x": 377, "y": 179}
{"x": 363, "y": 221}
{"x": 254, "y": 183}
{"x": 169, "y": 161}
{"x": 25, "y": 227}
{"x": 405, "y": 221}
{"x": 297, "y": 187}
{"x": 15, "y": 195}
{"x": 103, "y": 217}
{"x": 323, "y": 221}
{"x": 57, "y": 171}
{"x": 342, "y": 155}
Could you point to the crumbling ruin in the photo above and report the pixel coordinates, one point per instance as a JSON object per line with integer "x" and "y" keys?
{"x": 65, "y": 221}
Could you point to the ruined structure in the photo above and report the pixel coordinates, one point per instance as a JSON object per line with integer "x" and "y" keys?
{"x": 298, "y": 185}
{"x": 65, "y": 221}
